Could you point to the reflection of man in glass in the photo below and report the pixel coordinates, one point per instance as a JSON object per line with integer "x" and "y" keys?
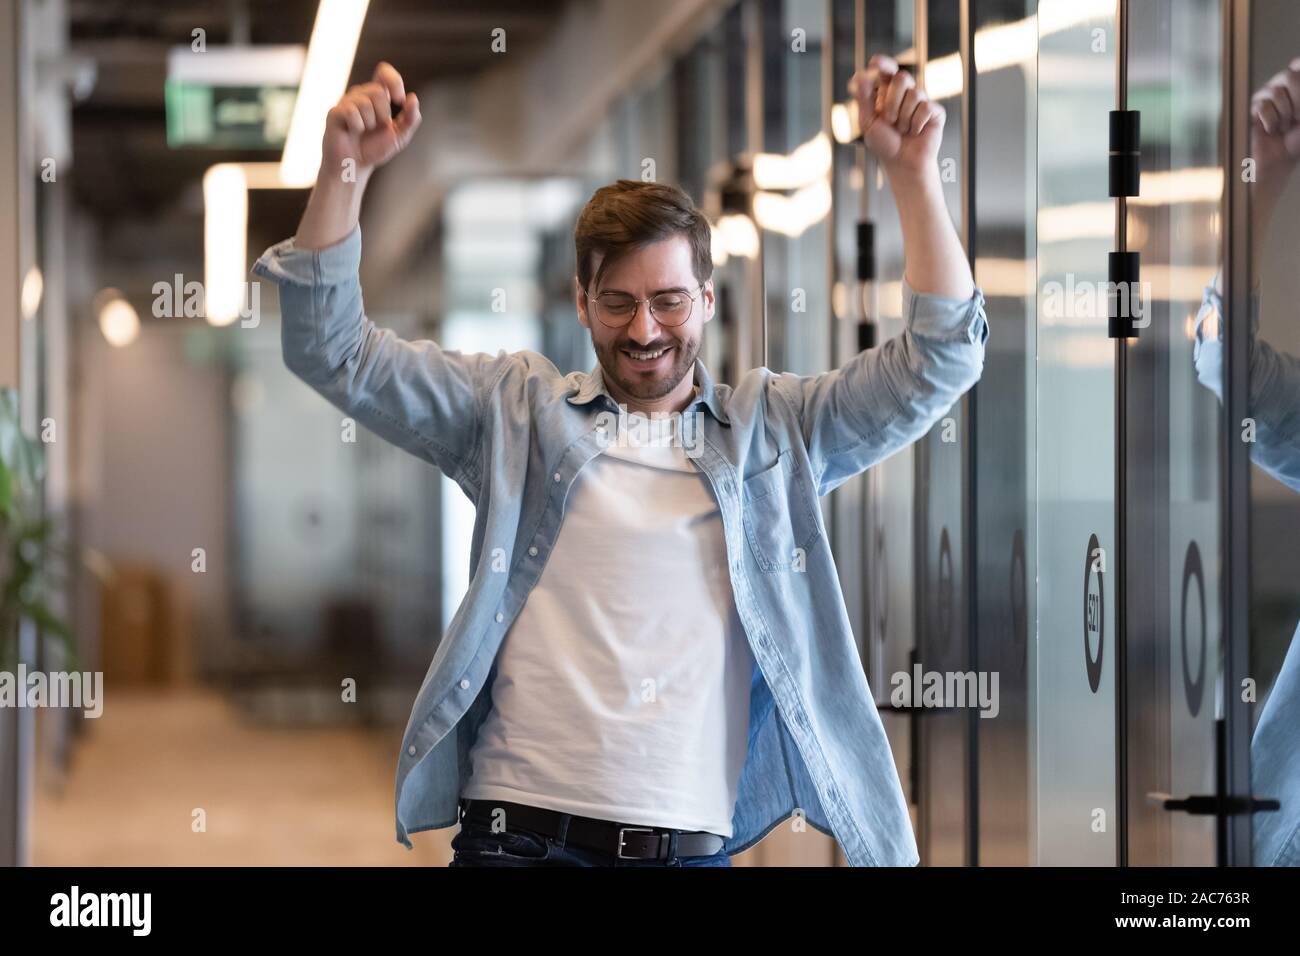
{"x": 1274, "y": 403}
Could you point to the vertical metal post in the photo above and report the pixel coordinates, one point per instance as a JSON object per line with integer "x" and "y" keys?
{"x": 920, "y": 523}
{"x": 966, "y": 41}
{"x": 828, "y": 96}
{"x": 1120, "y": 564}
{"x": 11, "y": 165}
{"x": 16, "y": 232}
{"x": 1235, "y": 831}
{"x": 753, "y": 31}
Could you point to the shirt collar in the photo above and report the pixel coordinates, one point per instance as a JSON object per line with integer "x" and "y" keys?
{"x": 593, "y": 385}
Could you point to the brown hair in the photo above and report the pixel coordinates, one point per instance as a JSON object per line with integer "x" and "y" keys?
{"x": 629, "y": 214}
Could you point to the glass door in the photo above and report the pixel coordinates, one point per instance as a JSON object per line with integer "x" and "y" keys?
{"x": 941, "y": 608}
{"x": 1002, "y": 233}
{"x": 1073, "y": 724}
{"x": 890, "y": 644}
{"x": 1173, "y": 437}
{"x": 1259, "y": 318}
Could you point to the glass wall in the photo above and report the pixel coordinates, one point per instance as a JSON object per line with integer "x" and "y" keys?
{"x": 890, "y": 575}
{"x": 1003, "y": 236}
{"x": 711, "y": 131}
{"x": 1271, "y": 685}
{"x": 849, "y": 325}
{"x": 1173, "y": 436}
{"x": 791, "y": 207}
{"x": 500, "y": 290}
{"x": 1060, "y": 530}
{"x": 941, "y": 582}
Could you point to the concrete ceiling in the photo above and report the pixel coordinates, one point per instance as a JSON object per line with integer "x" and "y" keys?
{"x": 127, "y": 179}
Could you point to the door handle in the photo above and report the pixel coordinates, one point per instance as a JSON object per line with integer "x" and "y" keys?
{"x": 1209, "y": 805}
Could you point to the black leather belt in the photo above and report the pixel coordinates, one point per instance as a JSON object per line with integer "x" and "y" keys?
{"x": 623, "y": 841}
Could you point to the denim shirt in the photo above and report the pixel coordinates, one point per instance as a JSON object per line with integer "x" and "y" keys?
{"x": 513, "y": 432}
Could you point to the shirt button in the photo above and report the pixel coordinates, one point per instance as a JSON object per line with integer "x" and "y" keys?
{"x": 532, "y": 552}
{"x": 411, "y": 750}
{"x": 500, "y": 617}
{"x": 556, "y": 476}
{"x": 464, "y": 684}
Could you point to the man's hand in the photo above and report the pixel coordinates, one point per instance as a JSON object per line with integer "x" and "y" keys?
{"x": 1274, "y": 144}
{"x": 902, "y": 129}
{"x": 1275, "y": 124}
{"x": 361, "y": 127}
{"x": 902, "y": 126}
{"x": 360, "y": 136}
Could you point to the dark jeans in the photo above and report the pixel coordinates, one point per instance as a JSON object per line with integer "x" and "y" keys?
{"x": 477, "y": 845}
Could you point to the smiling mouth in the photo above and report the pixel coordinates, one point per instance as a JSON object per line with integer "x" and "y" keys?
{"x": 646, "y": 355}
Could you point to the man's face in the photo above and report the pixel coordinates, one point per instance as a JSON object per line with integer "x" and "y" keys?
{"x": 646, "y": 363}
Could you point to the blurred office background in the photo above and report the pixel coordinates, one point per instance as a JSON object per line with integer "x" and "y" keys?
{"x": 232, "y": 557}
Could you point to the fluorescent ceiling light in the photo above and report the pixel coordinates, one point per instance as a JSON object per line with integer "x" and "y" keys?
{"x": 237, "y": 65}
{"x": 1175, "y": 186}
{"x": 330, "y": 54}
{"x": 1080, "y": 220}
{"x": 717, "y": 246}
{"x": 263, "y": 176}
{"x": 844, "y": 121}
{"x": 1096, "y": 220}
{"x": 943, "y": 77}
{"x": 33, "y": 288}
{"x": 118, "y": 321}
{"x": 225, "y": 242}
{"x": 809, "y": 161}
{"x": 1010, "y": 44}
{"x": 1057, "y": 16}
{"x": 793, "y": 215}
{"x": 738, "y": 235}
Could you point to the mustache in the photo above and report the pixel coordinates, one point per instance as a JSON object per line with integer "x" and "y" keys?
{"x": 635, "y": 347}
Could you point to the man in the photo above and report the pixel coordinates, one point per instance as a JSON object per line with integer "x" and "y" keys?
{"x": 653, "y": 664}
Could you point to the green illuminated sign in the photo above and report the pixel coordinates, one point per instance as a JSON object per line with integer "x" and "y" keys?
{"x": 228, "y": 117}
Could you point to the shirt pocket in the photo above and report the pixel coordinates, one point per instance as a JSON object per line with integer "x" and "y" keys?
{"x": 778, "y": 504}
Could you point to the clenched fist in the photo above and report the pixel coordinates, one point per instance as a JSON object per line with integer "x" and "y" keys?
{"x": 361, "y": 126}
{"x": 901, "y": 125}
{"x": 1275, "y": 121}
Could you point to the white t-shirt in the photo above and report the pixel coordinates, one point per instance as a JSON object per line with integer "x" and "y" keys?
{"x": 622, "y": 688}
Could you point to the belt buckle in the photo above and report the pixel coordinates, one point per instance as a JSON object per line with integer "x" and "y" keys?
{"x": 621, "y": 831}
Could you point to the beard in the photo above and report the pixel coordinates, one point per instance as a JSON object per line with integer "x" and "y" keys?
{"x": 650, "y": 385}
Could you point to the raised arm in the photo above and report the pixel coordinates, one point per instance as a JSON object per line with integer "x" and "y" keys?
{"x": 360, "y": 136}
{"x": 885, "y": 398}
{"x": 902, "y": 127}
{"x": 417, "y": 395}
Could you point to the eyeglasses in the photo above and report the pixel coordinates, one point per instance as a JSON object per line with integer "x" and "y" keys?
{"x": 617, "y": 309}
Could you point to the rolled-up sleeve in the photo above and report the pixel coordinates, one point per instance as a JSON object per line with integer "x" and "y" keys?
{"x": 886, "y": 398}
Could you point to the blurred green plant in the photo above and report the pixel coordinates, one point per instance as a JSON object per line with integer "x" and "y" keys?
{"x": 31, "y": 557}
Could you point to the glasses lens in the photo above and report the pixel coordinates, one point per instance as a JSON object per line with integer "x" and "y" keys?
{"x": 615, "y": 308}
{"x": 671, "y": 307}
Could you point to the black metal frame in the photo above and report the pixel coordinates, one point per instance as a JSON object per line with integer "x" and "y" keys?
{"x": 1119, "y": 565}
{"x": 1234, "y": 831}
{"x": 970, "y": 470}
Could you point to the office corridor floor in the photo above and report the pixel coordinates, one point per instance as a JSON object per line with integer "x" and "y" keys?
{"x": 269, "y": 795}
